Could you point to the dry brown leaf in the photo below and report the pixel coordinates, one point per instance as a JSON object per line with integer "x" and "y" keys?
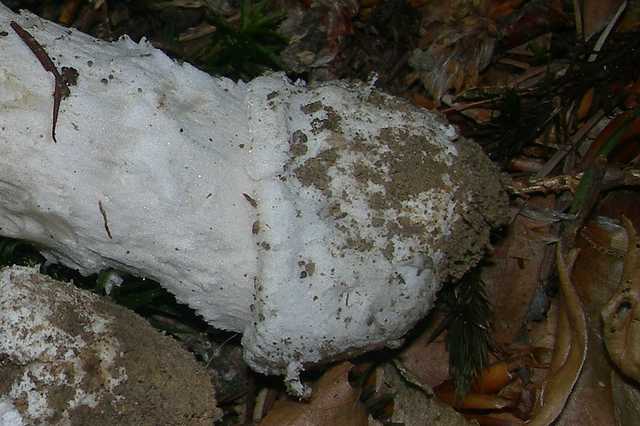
{"x": 596, "y": 400}
{"x": 585, "y": 105}
{"x": 68, "y": 11}
{"x": 621, "y": 316}
{"x": 502, "y": 8}
{"x": 413, "y": 406}
{"x": 334, "y": 402}
{"x": 591, "y": 403}
{"x": 422, "y": 101}
{"x": 428, "y": 362}
{"x": 501, "y": 419}
{"x": 472, "y": 401}
{"x": 493, "y": 378}
{"x": 626, "y": 399}
{"x": 514, "y": 274}
{"x": 457, "y": 43}
{"x": 570, "y": 350}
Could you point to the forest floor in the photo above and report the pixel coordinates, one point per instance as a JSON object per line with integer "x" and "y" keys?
{"x": 551, "y": 91}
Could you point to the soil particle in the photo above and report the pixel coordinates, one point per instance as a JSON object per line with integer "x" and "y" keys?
{"x": 298, "y": 144}
{"x": 445, "y": 196}
{"x": 314, "y": 171}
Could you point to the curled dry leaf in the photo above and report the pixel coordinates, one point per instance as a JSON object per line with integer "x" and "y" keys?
{"x": 569, "y": 352}
{"x": 621, "y": 316}
{"x": 596, "y": 276}
{"x": 493, "y": 378}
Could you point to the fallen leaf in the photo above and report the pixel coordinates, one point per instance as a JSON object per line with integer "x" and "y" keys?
{"x": 412, "y": 406}
{"x": 595, "y": 275}
{"x": 429, "y": 362}
{"x": 627, "y": 400}
{"x": 458, "y": 42}
{"x": 621, "y": 316}
{"x": 472, "y": 401}
{"x": 585, "y": 104}
{"x": 569, "y": 350}
{"x": 334, "y": 402}
{"x": 493, "y": 378}
{"x": 513, "y": 277}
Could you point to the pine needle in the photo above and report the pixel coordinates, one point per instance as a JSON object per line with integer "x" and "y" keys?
{"x": 469, "y": 330}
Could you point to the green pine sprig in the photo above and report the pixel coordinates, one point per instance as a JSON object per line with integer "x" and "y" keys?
{"x": 245, "y": 50}
{"x": 468, "y": 329}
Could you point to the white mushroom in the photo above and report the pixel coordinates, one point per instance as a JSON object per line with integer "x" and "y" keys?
{"x": 319, "y": 221}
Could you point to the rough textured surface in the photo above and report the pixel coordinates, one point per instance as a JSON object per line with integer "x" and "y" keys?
{"x": 71, "y": 358}
{"x": 375, "y": 207}
{"x": 320, "y": 221}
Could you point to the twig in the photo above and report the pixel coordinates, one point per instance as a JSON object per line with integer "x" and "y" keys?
{"x": 48, "y": 65}
{"x": 613, "y": 178}
{"x": 530, "y": 73}
{"x": 459, "y": 107}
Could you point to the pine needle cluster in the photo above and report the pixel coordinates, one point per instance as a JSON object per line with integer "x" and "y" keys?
{"x": 468, "y": 329}
{"x": 245, "y": 50}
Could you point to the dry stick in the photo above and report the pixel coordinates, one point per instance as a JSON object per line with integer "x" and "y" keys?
{"x": 48, "y": 65}
{"x": 459, "y": 107}
{"x": 530, "y": 73}
{"x": 613, "y": 178}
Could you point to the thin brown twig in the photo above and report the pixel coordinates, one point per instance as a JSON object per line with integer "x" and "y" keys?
{"x": 613, "y": 178}
{"x": 459, "y": 107}
{"x": 48, "y": 65}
